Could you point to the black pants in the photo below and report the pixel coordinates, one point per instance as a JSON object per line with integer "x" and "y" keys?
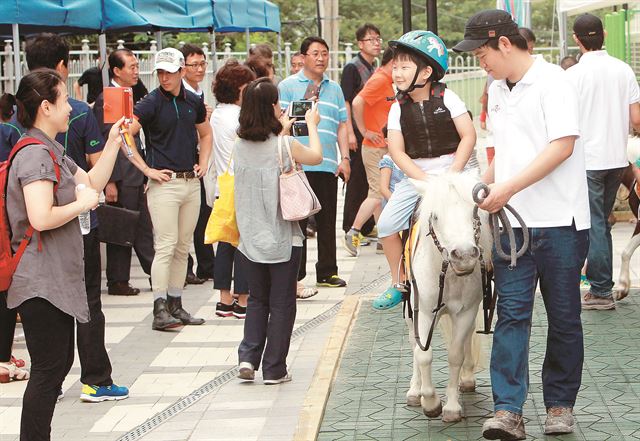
{"x": 204, "y": 252}
{"x": 229, "y": 262}
{"x": 357, "y": 191}
{"x": 119, "y": 257}
{"x": 49, "y": 336}
{"x": 95, "y": 367}
{"x": 271, "y": 312}
{"x": 7, "y": 328}
{"x": 325, "y": 186}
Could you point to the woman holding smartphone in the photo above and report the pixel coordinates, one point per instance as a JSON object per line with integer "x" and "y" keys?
{"x": 48, "y": 287}
{"x": 270, "y": 245}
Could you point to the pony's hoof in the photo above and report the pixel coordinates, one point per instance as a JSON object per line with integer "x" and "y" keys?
{"x": 451, "y": 416}
{"x": 621, "y": 293}
{"x": 467, "y": 386}
{"x": 413, "y": 400}
{"x": 433, "y": 413}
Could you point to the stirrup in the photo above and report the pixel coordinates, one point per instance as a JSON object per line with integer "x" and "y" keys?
{"x": 402, "y": 286}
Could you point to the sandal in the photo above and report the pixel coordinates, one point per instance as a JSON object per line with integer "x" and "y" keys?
{"x": 388, "y": 299}
{"x": 303, "y": 292}
{"x": 9, "y": 371}
{"x": 18, "y": 362}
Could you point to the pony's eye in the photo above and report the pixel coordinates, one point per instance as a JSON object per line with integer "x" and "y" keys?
{"x": 435, "y": 217}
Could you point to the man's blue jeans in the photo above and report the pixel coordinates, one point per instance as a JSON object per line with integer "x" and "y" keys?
{"x": 555, "y": 257}
{"x": 603, "y": 187}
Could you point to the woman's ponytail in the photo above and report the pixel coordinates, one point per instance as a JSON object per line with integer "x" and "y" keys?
{"x": 7, "y": 104}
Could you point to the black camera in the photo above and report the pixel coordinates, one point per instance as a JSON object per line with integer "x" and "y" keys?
{"x": 300, "y": 128}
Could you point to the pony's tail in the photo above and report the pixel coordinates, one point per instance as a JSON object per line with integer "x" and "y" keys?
{"x": 479, "y": 342}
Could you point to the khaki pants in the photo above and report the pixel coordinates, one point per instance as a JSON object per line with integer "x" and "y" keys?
{"x": 371, "y": 157}
{"x": 174, "y": 207}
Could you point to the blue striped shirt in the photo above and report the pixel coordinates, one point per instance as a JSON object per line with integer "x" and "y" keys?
{"x": 332, "y": 112}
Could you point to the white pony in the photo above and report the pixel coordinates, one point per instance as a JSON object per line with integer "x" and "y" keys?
{"x": 447, "y": 205}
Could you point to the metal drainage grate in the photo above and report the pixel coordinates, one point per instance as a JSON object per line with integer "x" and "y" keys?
{"x": 195, "y": 396}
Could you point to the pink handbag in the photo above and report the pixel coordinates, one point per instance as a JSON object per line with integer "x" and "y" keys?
{"x": 297, "y": 199}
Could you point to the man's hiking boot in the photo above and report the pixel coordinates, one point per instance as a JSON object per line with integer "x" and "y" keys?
{"x": 505, "y": 425}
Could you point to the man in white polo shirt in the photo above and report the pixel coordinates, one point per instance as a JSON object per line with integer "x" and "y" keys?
{"x": 609, "y": 96}
{"x": 539, "y": 170}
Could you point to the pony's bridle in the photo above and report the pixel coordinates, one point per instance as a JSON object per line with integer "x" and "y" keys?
{"x": 488, "y": 296}
{"x": 443, "y": 273}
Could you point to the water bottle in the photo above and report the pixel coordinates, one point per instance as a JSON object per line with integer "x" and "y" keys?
{"x": 85, "y": 217}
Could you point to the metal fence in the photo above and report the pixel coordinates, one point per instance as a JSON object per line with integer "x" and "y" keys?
{"x": 465, "y": 77}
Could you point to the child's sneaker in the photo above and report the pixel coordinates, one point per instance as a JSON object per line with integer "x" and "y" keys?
{"x": 352, "y": 242}
{"x": 364, "y": 240}
{"x": 97, "y": 394}
{"x": 388, "y": 299}
{"x": 584, "y": 282}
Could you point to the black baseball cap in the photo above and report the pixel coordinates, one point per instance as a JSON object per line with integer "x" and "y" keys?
{"x": 587, "y": 25}
{"x": 485, "y": 25}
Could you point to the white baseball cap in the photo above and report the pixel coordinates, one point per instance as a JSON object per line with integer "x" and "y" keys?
{"x": 169, "y": 59}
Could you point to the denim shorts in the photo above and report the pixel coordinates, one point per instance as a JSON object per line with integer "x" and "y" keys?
{"x": 396, "y": 215}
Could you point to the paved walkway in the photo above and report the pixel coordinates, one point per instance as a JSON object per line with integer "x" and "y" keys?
{"x": 183, "y": 383}
{"x": 182, "y": 373}
{"x": 368, "y": 401}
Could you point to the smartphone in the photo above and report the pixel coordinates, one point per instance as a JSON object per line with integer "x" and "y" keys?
{"x": 312, "y": 91}
{"x": 297, "y": 109}
{"x": 118, "y": 102}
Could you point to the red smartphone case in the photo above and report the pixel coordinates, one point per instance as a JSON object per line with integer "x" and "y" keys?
{"x": 118, "y": 102}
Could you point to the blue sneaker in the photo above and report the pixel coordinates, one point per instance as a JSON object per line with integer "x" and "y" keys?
{"x": 388, "y": 299}
{"x": 97, "y": 394}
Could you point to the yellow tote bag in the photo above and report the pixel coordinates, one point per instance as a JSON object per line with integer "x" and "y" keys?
{"x": 222, "y": 226}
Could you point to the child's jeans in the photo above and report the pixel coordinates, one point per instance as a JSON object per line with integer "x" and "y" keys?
{"x": 397, "y": 212}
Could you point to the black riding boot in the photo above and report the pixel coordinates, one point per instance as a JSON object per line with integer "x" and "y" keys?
{"x": 174, "y": 304}
{"x": 162, "y": 319}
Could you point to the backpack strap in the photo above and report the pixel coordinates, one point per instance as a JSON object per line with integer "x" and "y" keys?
{"x": 22, "y": 143}
{"x": 30, "y": 140}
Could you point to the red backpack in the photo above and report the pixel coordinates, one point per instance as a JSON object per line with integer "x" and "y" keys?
{"x": 8, "y": 260}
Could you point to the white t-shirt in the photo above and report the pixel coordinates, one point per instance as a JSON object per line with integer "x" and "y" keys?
{"x": 456, "y": 108}
{"x": 542, "y": 107}
{"x": 606, "y": 87}
{"x": 224, "y": 121}
{"x": 187, "y": 86}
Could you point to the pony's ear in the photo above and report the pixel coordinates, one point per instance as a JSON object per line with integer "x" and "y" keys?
{"x": 420, "y": 185}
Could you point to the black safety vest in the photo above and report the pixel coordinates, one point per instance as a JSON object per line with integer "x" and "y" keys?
{"x": 427, "y": 127}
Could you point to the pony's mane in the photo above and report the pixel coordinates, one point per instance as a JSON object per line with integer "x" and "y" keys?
{"x": 440, "y": 191}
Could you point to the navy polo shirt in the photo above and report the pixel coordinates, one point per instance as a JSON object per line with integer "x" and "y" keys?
{"x": 82, "y": 138}
{"x": 170, "y": 121}
{"x": 10, "y": 132}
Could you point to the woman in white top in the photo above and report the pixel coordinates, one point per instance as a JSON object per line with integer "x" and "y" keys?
{"x": 228, "y": 85}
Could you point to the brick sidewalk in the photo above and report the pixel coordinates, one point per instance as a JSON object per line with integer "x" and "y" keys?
{"x": 368, "y": 401}
{"x": 161, "y": 368}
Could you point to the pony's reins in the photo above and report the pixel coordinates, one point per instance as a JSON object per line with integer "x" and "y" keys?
{"x": 488, "y": 295}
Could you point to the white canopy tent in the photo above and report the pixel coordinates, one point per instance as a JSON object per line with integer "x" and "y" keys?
{"x": 565, "y": 8}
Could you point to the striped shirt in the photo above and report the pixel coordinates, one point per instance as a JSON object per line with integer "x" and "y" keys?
{"x": 332, "y": 112}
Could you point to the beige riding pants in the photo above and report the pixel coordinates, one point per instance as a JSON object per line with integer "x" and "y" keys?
{"x": 174, "y": 207}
